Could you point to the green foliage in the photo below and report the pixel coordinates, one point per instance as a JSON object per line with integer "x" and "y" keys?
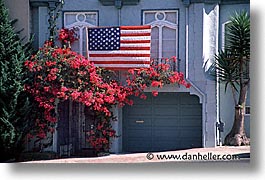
{"x": 13, "y": 103}
{"x": 54, "y": 14}
{"x": 238, "y": 35}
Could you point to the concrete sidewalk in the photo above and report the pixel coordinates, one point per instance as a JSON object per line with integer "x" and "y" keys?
{"x": 217, "y": 154}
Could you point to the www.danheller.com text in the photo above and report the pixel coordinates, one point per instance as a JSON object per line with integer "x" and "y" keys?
{"x": 198, "y": 156}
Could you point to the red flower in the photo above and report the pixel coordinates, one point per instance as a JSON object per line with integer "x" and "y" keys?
{"x": 100, "y": 126}
{"x": 109, "y": 99}
{"x": 143, "y": 96}
{"x": 50, "y": 63}
{"x": 128, "y": 82}
{"x": 137, "y": 93}
{"x": 67, "y": 35}
{"x": 174, "y": 58}
{"x": 188, "y": 85}
{"x": 130, "y": 102}
{"x": 61, "y": 95}
{"x": 156, "y": 84}
{"x": 63, "y": 89}
{"x": 48, "y": 43}
{"x": 155, "y": 93}
{"x": 75, "y": 95}
{"x": 29, "y": 64}
{"x": 41, "y": 135}
{"x": 51, "y": 77}
{"x": 46, "y": 89}
{"x": 54, "y": 70}
{"x": 131, "y": 71}
{"x": 112, "y": 133}
{"x": 143, "y": 86}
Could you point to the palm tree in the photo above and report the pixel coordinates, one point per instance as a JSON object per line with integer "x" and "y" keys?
{"x": 232, "y": 68}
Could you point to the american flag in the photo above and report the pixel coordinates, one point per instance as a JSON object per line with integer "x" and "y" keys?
{"x": 120, "y": 47}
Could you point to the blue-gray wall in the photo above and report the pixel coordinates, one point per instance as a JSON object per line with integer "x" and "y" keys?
{"x": 226, "y": 98}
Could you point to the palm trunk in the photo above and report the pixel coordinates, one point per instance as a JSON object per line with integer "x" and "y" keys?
{"x": 234, "y": 62}
{"x": 237, "y": 135}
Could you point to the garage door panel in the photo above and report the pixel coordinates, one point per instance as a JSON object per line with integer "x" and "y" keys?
{"x": 190, "y": 133}
{"x": 140, "y": 110}
{"x": 140, "y": 133}
{"x": 166, "y": 121}
{"x": 139, "y": 121}
{"x": 162, "y": 110}
{"x": 165, "y": 98}
{"x": 188, "y": 99}
{"x": 190, "y": 110}
{"x": 166, "y": 145}
{"x": 139, "y": 101}
{"x": 166, "y": 133}
{"x": 191, "y": 121}
{"x": 177, "y": 133}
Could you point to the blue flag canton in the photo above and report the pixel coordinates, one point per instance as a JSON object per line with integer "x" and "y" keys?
{"x": 100, "y": 39}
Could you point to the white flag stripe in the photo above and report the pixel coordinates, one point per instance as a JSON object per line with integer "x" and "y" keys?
{"x": 120, "y": 58}
{"x": 137, "y": 38}
{"x": 135, "y": 45}
{"x": 120, "y": 52}
{"x": 135, "y": 31}
{"x": 123, "y": 65}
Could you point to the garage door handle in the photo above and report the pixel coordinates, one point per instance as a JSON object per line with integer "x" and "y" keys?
{"x": 139, "y": 121}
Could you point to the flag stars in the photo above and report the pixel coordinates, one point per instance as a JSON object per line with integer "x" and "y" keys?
{"x": 104, "y": 38}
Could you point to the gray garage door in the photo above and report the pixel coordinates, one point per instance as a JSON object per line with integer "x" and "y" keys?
{"x": 166, "y": 122}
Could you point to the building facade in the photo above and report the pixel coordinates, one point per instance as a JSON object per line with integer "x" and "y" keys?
{"x": 179, "y": 118}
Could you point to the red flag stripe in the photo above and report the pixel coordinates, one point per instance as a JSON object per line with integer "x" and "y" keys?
{"x": 119, "y": 55}
{"x": 136, "y": 34}
{"x": 119, "y": 58}
{"x": 123, "y": 68}
{"x": 134, "y": 48}
{"x": 121, "y": 62}
{"x": 135, "y": 45}
{"x": 123, "y": 65}
{"x": 135, "y": 41}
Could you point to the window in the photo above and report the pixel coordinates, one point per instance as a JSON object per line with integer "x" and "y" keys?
{"x": 247, "y": 110}
{"x": 80, "y": 20}
{"x": 164, "y": 33}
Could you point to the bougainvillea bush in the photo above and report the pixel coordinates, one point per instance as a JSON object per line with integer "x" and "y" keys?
{"x": 57, "y": 74}
{"x": 67, "y": 36}
{"x": 156, "y": 76}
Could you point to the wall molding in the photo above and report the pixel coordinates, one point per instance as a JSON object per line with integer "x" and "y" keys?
{"x": 119, "y": 3}
{"x": 38, "y": 3}
{"x": 188, "y": 2}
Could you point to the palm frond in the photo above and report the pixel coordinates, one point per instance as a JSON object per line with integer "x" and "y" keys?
{"x": 226, "y": 69}
{"x": 238, "y": 35}
{"x": 231, "y": 66}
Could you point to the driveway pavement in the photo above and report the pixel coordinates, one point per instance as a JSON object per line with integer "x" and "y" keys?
{"x": 217, "y": 154}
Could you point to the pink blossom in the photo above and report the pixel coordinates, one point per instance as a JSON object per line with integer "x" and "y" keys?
{"x": 75, "y": 95}
{"x": 156, "y": 84}
{"x": 155, "y": 93}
